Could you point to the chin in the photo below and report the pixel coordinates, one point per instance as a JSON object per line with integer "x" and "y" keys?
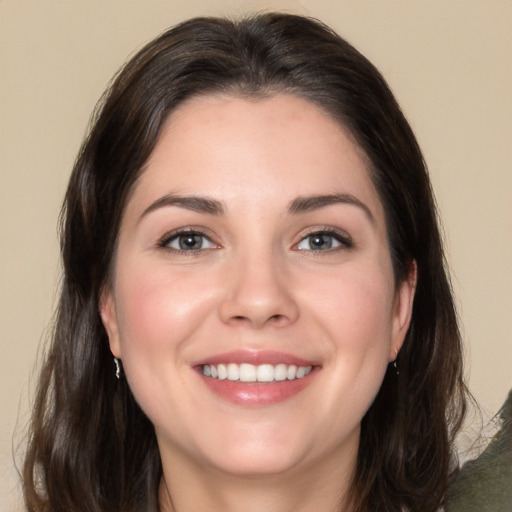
{"x": 262, "y": 449}
{"x": 257, "y": 463}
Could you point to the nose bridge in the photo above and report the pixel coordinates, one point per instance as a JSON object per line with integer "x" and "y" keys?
{"x": 256, "y": 291}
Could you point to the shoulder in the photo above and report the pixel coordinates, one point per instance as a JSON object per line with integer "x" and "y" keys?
{"x": 484, "y": 483}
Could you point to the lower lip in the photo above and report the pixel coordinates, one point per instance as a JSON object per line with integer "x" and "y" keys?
{"x": 257, "y": 394}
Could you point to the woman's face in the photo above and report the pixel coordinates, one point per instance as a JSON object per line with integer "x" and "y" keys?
{"x": 254, "y": 247}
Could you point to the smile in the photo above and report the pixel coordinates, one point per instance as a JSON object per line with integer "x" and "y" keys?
{"x": 256, "y": 378}
{"x": 246, "y": 372}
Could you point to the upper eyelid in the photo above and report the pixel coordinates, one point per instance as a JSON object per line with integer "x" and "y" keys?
{"x": 327, "y": 230}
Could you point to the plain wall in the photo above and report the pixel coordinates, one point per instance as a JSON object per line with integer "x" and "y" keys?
{"x": 449, "y": 64}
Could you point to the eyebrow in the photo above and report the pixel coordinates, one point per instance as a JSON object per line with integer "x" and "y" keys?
{"x": 305, "y": 204}
{"x": 302, "y": 204}
{"x": 194, "y": 203}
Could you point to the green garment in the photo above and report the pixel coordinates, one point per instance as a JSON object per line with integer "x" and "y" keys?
{"x": 485, "y": 484}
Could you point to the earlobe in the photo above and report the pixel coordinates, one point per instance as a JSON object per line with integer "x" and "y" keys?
{"x": 403, "y": 309}
{"x": 109, "y": 319}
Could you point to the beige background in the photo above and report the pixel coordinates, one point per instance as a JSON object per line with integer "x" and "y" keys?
{"x": 449, "y": 63}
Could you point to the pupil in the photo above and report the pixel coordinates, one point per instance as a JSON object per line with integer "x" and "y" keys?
{"x": 190, "y": 242}
{"x": 321, "y": 241}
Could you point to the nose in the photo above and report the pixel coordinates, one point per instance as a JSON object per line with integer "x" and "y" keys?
{"x": 258, "y": 294}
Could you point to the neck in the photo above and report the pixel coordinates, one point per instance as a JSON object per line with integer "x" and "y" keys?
{"x": 187, "y": 487}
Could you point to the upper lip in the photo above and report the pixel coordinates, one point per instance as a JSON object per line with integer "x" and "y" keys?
{"x": 255, "y": 357}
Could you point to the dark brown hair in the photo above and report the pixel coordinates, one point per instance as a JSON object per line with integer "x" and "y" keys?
{"x": 91, "y": 447}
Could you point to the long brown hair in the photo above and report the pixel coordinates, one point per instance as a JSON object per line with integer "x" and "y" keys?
{"x": 91, "y": 446}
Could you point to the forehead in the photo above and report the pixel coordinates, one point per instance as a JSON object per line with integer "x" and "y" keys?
{"x": 249, "y": 152}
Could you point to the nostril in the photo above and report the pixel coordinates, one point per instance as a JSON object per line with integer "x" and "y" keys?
{"x": 274, "y": 319}
{"x": 277, "y": 318}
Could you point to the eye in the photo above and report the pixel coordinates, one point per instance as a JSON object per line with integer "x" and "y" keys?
{"x": 324, "y": 241}
{"x": 187, "y": 241}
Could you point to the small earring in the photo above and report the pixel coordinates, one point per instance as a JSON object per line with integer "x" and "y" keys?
{"x": 118, "y": 368}
{"x": 394, "y": 362}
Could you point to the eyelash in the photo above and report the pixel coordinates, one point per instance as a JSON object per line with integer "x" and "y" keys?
{"x": 342, "y": 238}
{"x": 170, "y": 237}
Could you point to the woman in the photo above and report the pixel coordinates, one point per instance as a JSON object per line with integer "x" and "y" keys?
{"x": 255, "y": 312}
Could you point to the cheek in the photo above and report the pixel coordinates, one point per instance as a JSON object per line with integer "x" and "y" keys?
{"x": 159, "y": 314}
{"x": 356, "y": 318}
{"x": 356, "y": 307}
{"x": 157, "y": 311}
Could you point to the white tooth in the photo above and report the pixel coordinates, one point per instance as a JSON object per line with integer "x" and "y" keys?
{"x": 247, "y": 372}
{"x": 251, "y": 373}
{"x": 280, "y": 372}
{"x": 265, "y": 373}
{"x": 292, "y": 372}
{"x": 301, "y": 372}
{"x": 233, "y": 371}
{"x": 222, "y": 371}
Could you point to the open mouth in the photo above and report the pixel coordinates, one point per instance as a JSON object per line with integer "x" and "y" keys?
{"x": 264, "y": 373}
{"x": 256, "y": 379}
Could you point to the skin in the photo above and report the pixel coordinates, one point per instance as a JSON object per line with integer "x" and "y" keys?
{"x": 258, "y": 282}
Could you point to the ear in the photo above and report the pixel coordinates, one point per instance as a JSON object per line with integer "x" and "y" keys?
{"x": 109, "y": 318}
{"x": 402, "y": 313}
